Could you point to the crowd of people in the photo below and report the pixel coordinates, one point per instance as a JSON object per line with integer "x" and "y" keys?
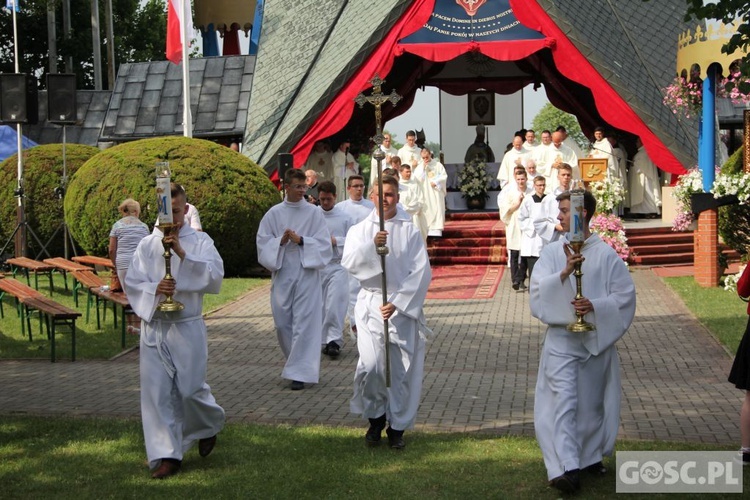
{"x": 330, "y": 261}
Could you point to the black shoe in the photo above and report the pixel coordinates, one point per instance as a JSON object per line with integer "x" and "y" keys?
{"x": 332, "y": 349}
{"x": 206, "y": 446}
{"x": 569, "y": 482}
{"x": 395, "y": 438}
{"x": 515, "y": 286}
{"x": 297, "y": 385}
{"x": 521, "y": 287}
{"x": 597, "y": 469}
{"x": 372, "y": 438}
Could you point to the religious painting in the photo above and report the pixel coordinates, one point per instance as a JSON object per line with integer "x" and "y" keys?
{"x": 593, "y": 169}
{"x": 481, "y": 108}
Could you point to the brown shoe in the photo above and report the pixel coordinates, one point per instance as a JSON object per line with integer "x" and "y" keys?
{"x": 168, "y": 467}
{"x": 206, "y": 446}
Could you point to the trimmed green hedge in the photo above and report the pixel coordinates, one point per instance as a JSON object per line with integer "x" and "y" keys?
{"x": 734, "y": 220}
{"x": 42, "y": 172}
{"x": 230, "y": 191}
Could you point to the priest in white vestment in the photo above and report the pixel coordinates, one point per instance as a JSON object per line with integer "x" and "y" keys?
{"x": 569, "y": 141}
{"x": 294, "y": 244}
{"x": 408, "y": 276}
{"x": 412, "y": 199}
{"x": 358, "y": 207}
{"x": 621, "y": 157}
{"x": 344, "y": 166}
{"x": 177, "y": 407}
{"x": 515, "y": 157}
{"x": 409, "y": 152}
{"x": 334, "y": 277}
{"x": 530, "y": 140}
{"x": 390, "y": 152}
{"x": 321, "y": 160}
{"x": 601, "y": 148}
{"x": 577, "y": 397}
{"x": 432, "y": 177}
{"x": 561, "y": 154}
{"x": 645, "y": 189}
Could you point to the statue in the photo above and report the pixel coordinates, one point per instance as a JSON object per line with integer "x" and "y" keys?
{"x": 480, "y": 150}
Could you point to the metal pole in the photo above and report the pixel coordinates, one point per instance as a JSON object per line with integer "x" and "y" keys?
{"x": 20, "y": 215}
{"x": 97, "y": 43}
{"x": 187, "y": 119}
{"x": 379, "y": 156}
{"x": 64, "y": 190}
{"x": 110, "y": 44}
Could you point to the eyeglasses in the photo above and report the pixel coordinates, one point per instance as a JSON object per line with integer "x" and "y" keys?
{"x": 298, "y": 186}
{"x": 358, "y": 186}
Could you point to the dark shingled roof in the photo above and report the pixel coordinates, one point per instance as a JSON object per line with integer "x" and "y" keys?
{"x": 631, "y": 43}
{"x": 92, "y": 107}
{"x": 299, "y": 71}
{"x": 147, "y": 99}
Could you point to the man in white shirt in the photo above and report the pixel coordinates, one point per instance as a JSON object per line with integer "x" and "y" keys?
{"x": 410, "y": 152}
{"x": 334, "y": 278}
{"x": 344, "y": 166}
{"x": 515, "y": 157}
{"x": 509, "y": 204}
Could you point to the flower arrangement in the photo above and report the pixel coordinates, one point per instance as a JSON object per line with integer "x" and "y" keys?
{"x": 732, "y": 184}
{"x": 685, "y": 97}
{"x": 687, "y": 184}
{"x": 474, "y": 179}
{"x": 610, "y": 230}
{"x": 608, "y": 193}
{"x": 730, "y": 281}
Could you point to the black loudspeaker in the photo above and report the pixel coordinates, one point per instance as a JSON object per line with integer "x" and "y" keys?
{"x": 61, "y": 99}
{"x": 18, "y": 98}
{"x": 286, "y": 162}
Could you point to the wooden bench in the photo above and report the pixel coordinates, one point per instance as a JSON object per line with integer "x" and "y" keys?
{"x": 116, "y": 298}
{"x": 87, "y": 280}
{"x": 21, "y": 293}
{"x": 55, "y": 315}
{"x": 66, "y": 266}
{"x": 31, "y": 266}
{"x": 92, "y": 260}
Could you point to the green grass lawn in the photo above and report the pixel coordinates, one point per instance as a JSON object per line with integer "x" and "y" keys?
{"x": 105, "y": 458}
{"x": 91, "y": 343}
{"x": 722, "y": 312}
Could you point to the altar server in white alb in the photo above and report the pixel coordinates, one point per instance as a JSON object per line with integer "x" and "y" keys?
{"x": 408, "y": 275}
{"x": 412, "y": 198}
{"x": 294, "y": 244}
{"x": 645, "y": 190}
{"x": 433, "y": 178}
{"x": 334, "y": 277}
{"x": 577, "y": 397}
{"x": 177, "y": 406}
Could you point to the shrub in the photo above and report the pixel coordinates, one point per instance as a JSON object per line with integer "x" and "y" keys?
{"x": 230, "y": 191}
{"x": 42, "y": 173}
{"x": 734, "y": 220}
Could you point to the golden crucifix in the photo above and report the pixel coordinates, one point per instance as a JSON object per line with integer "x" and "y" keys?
{"x": 377, "y": 99}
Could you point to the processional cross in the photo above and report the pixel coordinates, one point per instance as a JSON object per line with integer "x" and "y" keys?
{"x": 377, "y": 99}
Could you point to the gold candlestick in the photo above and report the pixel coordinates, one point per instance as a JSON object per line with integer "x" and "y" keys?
{"x": 580, "y": 325}
{"x": 168, "y": 304}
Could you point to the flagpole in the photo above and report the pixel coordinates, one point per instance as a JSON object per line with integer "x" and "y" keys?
{"x": 187, "y": 119}
{"x": 20, "y": 215}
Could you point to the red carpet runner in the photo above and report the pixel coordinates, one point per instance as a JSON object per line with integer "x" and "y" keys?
{"x": 464, "y": 282}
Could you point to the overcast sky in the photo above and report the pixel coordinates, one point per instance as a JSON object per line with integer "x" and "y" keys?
{"x": 425, "y": 113}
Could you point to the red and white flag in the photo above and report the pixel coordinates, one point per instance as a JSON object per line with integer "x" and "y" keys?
{"x": 179, "y": 28}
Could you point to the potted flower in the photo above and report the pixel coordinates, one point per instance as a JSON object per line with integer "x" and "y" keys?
{"x": 475, "y": 182}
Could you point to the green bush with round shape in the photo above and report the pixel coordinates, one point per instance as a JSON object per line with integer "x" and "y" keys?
{"x": 734, "y": 220}
{"x": 230, "y": 192}
{"x": 42, "y": 174}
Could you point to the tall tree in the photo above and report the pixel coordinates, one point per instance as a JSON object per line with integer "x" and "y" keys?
{"x": 549, "y": 118}
{"x": 139, "y": 32}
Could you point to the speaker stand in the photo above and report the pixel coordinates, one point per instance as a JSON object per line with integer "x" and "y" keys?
{"x": 24, "y": 224}
{"x": 60, "y": 192}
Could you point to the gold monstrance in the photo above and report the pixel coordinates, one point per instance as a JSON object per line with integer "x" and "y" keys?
{"x": 577, "y": 238}
{"x": 168, "y": 227}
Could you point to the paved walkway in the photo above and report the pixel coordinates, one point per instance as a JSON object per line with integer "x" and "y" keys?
{"x": 480, "y": 372}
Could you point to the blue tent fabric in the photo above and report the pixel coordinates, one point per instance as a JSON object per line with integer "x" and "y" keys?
{"x": 9, "y": 142}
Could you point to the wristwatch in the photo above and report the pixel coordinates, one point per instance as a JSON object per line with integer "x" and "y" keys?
{"x": 301, "y": 241}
